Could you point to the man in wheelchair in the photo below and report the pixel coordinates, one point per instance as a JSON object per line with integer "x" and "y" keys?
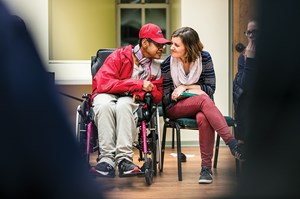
{"x": 124, "y": 78}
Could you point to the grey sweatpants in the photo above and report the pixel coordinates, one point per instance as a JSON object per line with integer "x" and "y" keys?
{"x": 116, "y": 120}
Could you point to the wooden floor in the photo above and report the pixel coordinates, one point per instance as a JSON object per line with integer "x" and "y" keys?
{"x": 166, "y": 184}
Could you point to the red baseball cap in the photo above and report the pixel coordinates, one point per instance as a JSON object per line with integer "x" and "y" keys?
{"x": 153, "y": 32}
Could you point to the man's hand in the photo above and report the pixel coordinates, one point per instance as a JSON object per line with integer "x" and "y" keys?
{"x": 135, "y": 98}
{"x": 147, "y": 86}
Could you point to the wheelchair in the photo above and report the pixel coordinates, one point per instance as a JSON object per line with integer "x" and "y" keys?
{"x": 148, "y": 137}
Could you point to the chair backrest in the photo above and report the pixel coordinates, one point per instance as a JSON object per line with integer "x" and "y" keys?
{"x": 98, "y": 60}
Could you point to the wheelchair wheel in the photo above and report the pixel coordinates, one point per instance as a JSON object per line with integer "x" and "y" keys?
{"x": 155, "y": 145}
{"x": 154, "y": 153}
{"x": 158, "y": 141}
{"x": 81, "y": 135}
{"x": 78, "y": 124}
{"x": 149, "y": 171}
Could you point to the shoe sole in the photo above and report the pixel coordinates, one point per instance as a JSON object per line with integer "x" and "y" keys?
{"x": 239, "y": 159}
{"x": 205, "y": 181}
{"x": 135, "y": 172}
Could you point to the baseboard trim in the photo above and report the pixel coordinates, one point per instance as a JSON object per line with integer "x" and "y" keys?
{"x": 191, "y": 143}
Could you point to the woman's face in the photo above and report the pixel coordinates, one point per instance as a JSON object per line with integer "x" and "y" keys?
{"x": 177, "y": 48}
{"x": 252, "y": 31}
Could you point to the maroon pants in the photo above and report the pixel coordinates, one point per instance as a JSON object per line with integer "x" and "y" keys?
{"x": 209, "y": 120}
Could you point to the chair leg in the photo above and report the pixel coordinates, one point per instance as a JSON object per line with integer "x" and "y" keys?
{"x": 237, "y": 167}
{"x": 238, "y": 164}
{"x": 216, "y": 151}
{"x": 163, "y": 143}
{"x": 178, "y": 152}
{"x": 240, "y": 167}
{"x": 173, "y": 138}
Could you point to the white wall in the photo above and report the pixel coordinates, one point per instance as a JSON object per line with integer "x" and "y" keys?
{"x": 35, "y": 15}
{"x": 210, "y": 20}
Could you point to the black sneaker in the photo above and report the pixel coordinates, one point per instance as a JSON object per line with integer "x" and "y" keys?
{"x": 205, "y": 176}
{"x": 127, "y": 168}
{"x": 104, "y": 169}
{"x": 237, "y": 152}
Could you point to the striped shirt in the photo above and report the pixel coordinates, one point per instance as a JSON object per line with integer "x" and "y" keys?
{"x": 207, "y": 80}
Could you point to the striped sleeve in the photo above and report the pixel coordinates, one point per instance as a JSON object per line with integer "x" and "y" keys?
{"x": 207, "y": 79}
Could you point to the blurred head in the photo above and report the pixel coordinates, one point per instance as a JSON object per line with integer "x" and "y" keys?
{"x": 152, "y": 41}
{"x": 186, "y": 44}
{"x": 252, "y": 30}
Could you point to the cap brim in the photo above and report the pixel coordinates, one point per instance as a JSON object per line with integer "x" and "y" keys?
{"x": 161, "y": 40}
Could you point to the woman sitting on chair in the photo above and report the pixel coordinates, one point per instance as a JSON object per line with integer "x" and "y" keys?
{"x": 189, "y": 69}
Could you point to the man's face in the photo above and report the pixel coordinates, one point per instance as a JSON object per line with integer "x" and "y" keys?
{"x": 151, "y": 49}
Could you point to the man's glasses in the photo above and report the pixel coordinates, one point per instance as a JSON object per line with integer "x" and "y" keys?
{"x": 159, "y": 46}
{"x": 253, "y": 32}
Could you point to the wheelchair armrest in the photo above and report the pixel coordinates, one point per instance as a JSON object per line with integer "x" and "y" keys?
{"x": 147, "y": 108}
{"x": 149, "y": 101}
{"x": 148, "y": 98}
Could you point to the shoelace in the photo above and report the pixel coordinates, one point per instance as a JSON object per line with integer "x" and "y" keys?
{"x": 205, "y": 170}
{"x": 237, "y": 154}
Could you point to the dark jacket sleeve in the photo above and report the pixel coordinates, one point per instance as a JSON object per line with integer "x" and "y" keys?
{"x": 243, "y": 78}
{"x": 168, "y": 86}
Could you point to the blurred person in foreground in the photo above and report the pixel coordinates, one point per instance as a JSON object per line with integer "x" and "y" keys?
{"x": 272, "y": 125}
{"x": 246, "y": 62}
{"x": 37, "y": 144}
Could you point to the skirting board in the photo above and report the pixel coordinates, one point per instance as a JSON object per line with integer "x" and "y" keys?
{"x": 191, "y": 143}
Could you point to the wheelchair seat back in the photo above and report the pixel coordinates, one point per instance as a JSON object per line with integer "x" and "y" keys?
{"x": 98, "y": 60}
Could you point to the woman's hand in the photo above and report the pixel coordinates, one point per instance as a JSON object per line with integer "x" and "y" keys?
{"x": 177, "y": 92}
{"x": 174, "y": 96}
{"x": 250, "y": 49}
{"x": 180, "y": 89}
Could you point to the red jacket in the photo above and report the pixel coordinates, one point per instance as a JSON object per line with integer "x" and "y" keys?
{"x": 114, "y": 77}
